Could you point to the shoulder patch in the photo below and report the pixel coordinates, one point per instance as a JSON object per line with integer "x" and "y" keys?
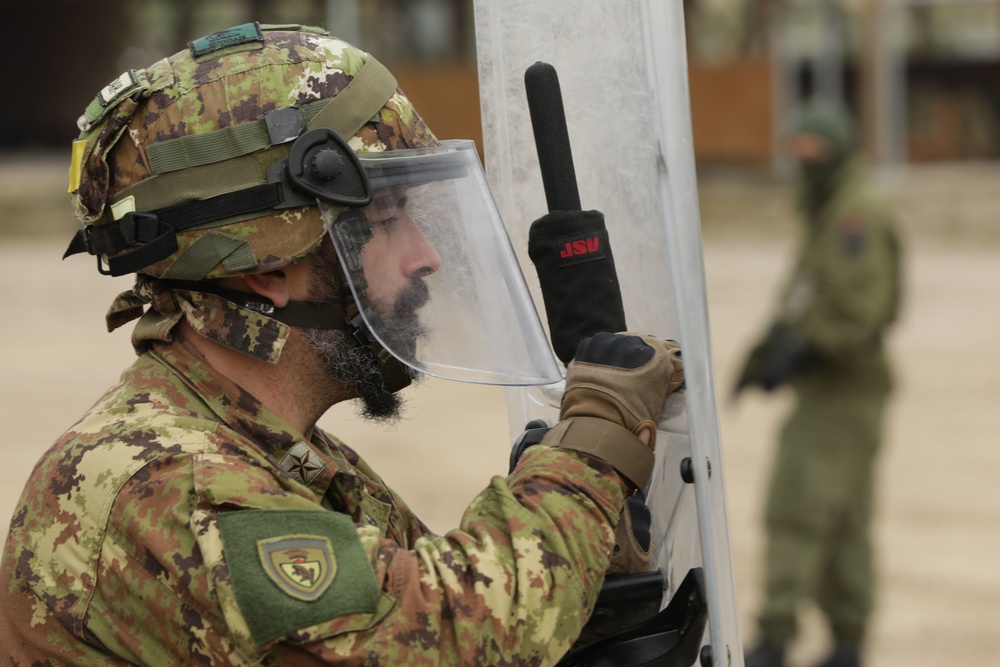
{"x": 302, "y": 566}
{"x": 852, "y": 234}
{"x": 293, "y": 569}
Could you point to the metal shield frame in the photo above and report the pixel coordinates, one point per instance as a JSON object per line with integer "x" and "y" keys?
{"x": 622, "y": 69}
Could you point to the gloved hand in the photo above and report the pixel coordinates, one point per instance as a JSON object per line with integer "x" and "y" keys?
{"x": 633, "y": 543}
{"x": 773, "y": 361}
{"x": 615, "y": 388}
{"x": 623, "y": 378}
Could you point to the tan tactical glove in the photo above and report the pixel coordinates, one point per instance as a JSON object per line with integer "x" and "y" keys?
{"x": 633, "y": 542}
{"x": 615, "y": 388}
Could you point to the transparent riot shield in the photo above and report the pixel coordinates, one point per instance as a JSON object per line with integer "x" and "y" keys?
{"x": 622, "y": 70}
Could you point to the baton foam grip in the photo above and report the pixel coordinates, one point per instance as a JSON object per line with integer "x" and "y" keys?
{"x": 576, "y": 271}
{"x": 548, "y": 122}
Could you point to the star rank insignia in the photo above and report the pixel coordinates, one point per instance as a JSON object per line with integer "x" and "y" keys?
{"x": 302, "y": 463}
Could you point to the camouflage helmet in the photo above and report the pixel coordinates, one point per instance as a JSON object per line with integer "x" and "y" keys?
{"x": 182, "y": 169}
{"x": 829, "y": 120}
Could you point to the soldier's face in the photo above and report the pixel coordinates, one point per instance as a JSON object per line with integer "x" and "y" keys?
{"x": 341, "y": 355}
{"x": 810, "y": 148}
{"x": 395, "y": 261}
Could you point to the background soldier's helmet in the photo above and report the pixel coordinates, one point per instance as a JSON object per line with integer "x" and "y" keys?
{"x": 182, "y": 169}
{"x": 831, "y": 121}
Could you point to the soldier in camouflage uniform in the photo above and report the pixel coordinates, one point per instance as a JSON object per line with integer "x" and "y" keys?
{"x": 195, "y": 514}
{"x": 826, "y": 343}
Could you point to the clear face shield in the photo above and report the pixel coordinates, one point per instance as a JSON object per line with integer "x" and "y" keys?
{"x": 433, "y": 273}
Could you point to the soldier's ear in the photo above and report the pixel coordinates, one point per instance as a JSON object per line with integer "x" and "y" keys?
{"x": 272, "y": 285}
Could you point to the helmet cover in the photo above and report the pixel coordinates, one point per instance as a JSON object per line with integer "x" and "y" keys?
{"x": 222, "y": 81}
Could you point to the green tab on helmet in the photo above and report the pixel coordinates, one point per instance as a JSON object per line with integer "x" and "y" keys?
{"x": 235, "y": 36}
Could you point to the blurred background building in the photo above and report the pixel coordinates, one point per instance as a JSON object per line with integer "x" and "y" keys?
{"x": 923, "y": 76}
{"x": 920, "y": 75}
{"x": 64, "y": 51}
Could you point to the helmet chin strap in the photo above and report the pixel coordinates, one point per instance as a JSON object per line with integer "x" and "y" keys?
{"x": 396, "y": 374}
{"x": 313, "y": 315}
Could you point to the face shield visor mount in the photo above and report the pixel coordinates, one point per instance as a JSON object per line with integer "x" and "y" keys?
{"x": 321, "y": 165}
{"x": 433, "y": 274}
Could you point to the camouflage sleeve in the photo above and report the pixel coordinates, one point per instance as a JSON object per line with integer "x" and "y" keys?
{"x": 413, "y": 527}
{"x": 513, "y": 584}
{"x": 846, "y": 292}
{"x": 201, "y": 555}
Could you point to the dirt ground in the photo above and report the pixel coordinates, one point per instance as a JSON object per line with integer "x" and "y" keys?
{"x": 938, "y": 523}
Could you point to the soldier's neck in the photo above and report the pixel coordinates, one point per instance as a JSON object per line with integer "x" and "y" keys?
{"x": 291, "y": 388}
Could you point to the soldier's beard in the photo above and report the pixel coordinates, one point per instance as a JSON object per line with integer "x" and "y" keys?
{"x": 355, "y": 368}
{"x": 401, "y": 318}
{"x": 348, "y": 362}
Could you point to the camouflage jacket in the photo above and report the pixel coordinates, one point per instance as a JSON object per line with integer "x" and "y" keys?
{"x": 181, "y": 522}
{"x": 844, "y": 289}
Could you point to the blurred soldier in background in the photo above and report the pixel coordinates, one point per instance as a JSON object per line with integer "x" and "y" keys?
{"x": 301, "y": 238}
{"x": 826, "y": 343}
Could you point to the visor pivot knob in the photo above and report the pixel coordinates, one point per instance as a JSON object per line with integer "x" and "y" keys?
{"x": 327, "y": 164}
